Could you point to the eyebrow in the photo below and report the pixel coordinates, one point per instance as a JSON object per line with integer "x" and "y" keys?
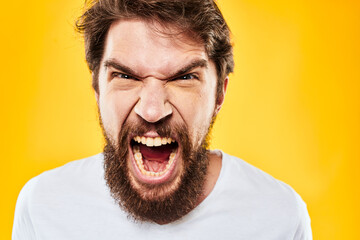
{"x": 118, "y": 66}
{"x": 202, "y": 63}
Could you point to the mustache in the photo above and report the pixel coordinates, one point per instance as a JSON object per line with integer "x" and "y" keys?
{"x": 140, "y": 127}
{"x": 162, "y": 128}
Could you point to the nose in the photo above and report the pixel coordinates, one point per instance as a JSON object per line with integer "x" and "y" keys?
{"x": 153, "y": 104}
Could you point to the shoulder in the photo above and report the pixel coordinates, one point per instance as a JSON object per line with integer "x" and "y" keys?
{"x": 254, "y": 179}
{"x": 74, "y": 169}
{"x": 265, "y": 195}
{"x": 251, "y": 180}
{"x": 60, "y": 181}
{"x": 53, "y": 186}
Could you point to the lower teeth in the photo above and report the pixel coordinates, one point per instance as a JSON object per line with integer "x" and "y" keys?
{"x": 140, "y": 163}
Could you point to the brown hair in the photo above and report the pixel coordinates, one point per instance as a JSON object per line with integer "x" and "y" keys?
{"x": 200, "y": 17}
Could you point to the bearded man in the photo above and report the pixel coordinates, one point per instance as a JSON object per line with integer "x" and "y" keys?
{"x": 160, "y": 71}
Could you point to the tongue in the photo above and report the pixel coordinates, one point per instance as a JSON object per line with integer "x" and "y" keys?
{"x": 159, "y": 154}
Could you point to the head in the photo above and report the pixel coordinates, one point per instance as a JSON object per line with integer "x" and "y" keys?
{"x": 200, "y": 18}
{"x": 159, "y": 72}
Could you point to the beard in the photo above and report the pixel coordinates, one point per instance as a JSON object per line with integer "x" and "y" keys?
{"x": 160, "y": 203}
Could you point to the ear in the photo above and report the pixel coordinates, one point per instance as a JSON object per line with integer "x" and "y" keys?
{"x": 221, "y": 97}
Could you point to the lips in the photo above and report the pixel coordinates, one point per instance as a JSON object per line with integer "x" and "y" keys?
{"x": 154, "y": 159}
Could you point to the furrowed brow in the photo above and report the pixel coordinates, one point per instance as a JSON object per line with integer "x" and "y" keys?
{"x": 118, "y": 66}
{"x": 202, "y": 63}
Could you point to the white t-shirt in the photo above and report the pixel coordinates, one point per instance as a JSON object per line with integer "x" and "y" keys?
{"x": 73, "y": 202}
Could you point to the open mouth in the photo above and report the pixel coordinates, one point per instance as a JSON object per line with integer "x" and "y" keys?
{"x": 154, "y": 157}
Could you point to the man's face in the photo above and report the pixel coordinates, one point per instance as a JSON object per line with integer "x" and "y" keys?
{"x": 156, "y": 100}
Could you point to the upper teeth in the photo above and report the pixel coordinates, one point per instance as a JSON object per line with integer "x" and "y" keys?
{"x": 150, "y": 142}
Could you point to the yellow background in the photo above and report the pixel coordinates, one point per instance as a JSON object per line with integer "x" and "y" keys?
{"x": 292, "y": 107}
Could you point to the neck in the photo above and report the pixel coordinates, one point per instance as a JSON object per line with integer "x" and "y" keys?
{"x": 214, "y": 168}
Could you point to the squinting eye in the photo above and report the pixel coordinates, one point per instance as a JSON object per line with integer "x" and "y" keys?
{"x": 188, "y": 77}
{"x": 122, "y": 75}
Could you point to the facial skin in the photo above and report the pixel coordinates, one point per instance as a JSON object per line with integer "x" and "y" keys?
{"x": 148, "y": 79}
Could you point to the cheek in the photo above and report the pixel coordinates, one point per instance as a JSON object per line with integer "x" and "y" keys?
{"x": 204, "y": 110}
{"x": 114, "y": 109}
{"x": 196, "y": 110}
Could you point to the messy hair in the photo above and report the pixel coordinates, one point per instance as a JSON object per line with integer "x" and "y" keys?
{"x": 201, "y": 18}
